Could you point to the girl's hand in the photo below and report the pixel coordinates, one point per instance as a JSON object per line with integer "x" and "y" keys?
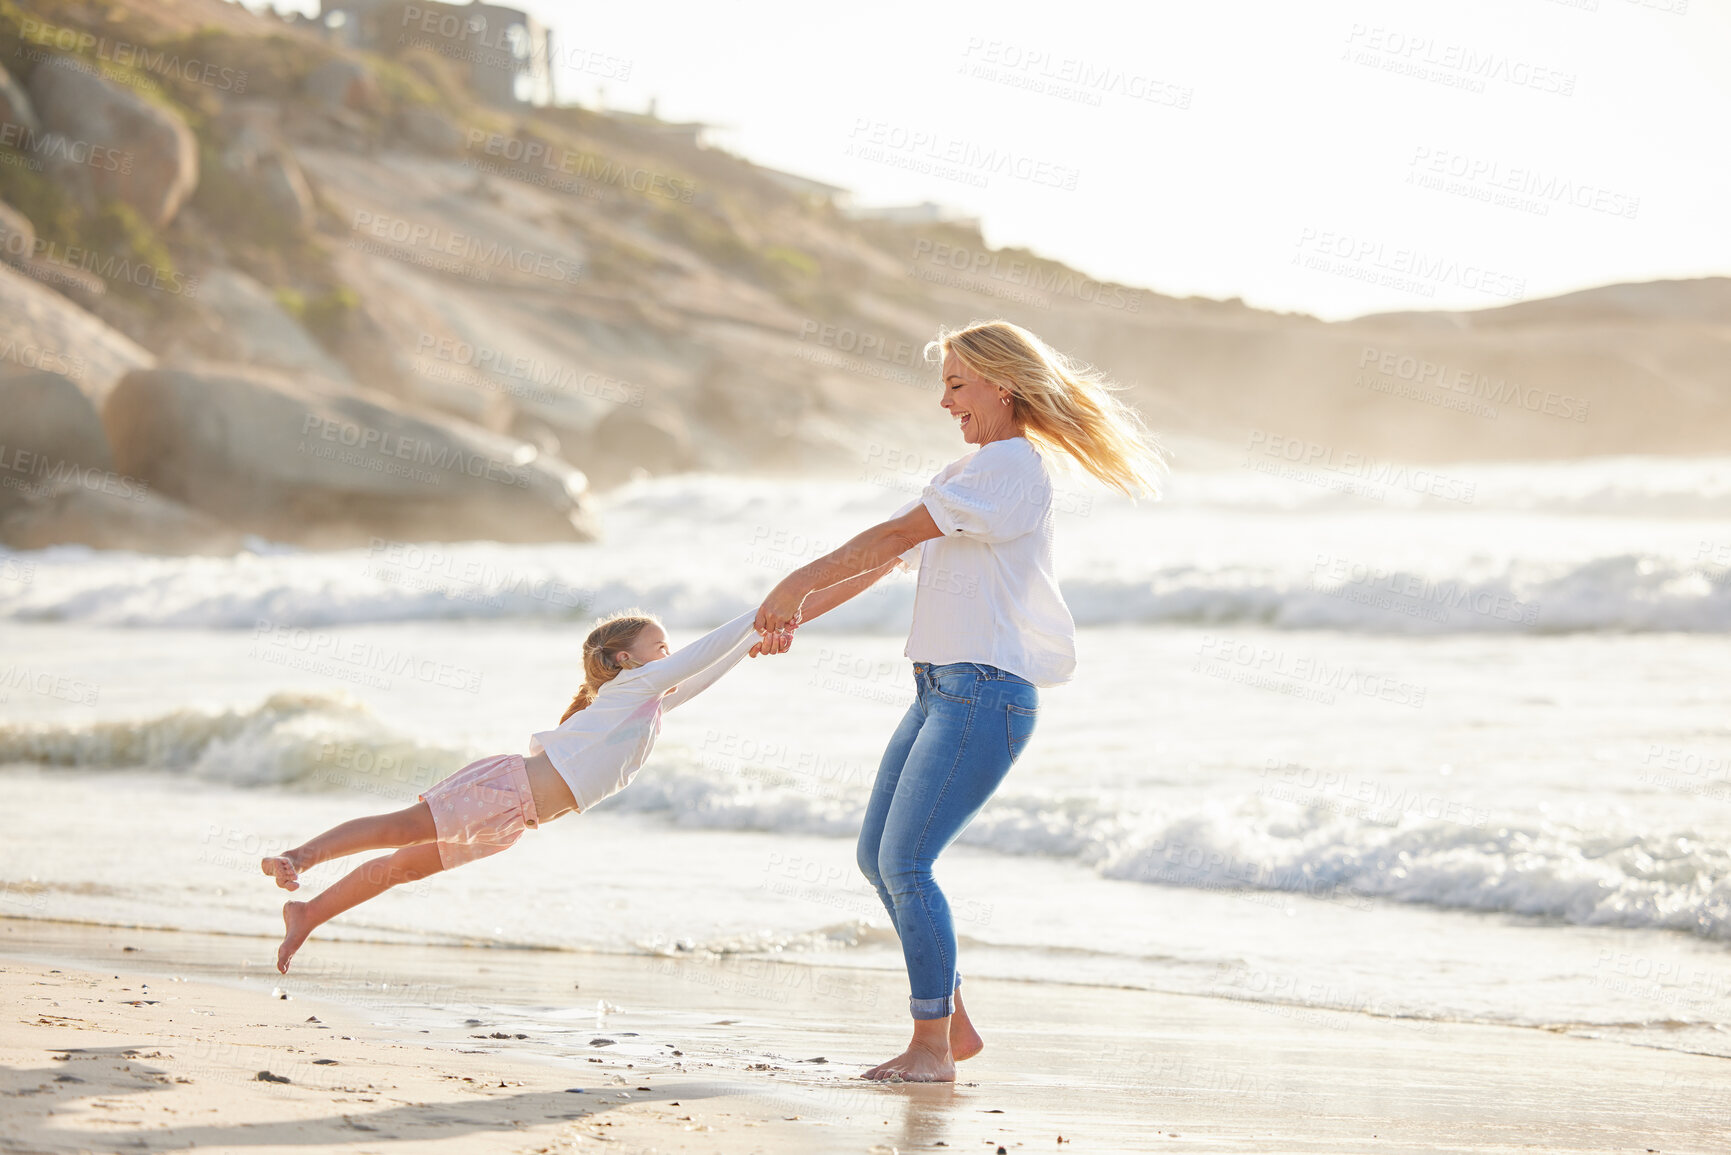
{"x": 779, "y": 612}
{"x": 777, "y": 643}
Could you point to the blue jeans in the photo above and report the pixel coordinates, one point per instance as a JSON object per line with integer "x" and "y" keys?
{"x": 966, "y": 726}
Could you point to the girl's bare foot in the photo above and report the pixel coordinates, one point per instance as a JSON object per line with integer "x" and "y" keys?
{"x": 965, "y": 1042}
{"x": 282, "y": 868}
{"x": 918, "y": 1064}
{"x": 296, "y": 927}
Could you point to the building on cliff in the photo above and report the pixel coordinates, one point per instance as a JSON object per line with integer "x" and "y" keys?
{"x": 509, "y": 52}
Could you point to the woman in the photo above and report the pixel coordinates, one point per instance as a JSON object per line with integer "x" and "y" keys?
{"x": 989, "y": 627}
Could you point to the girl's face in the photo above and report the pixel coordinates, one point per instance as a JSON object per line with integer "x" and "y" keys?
{"x": 976, "y": 404}
{"x": 650, "y": 646}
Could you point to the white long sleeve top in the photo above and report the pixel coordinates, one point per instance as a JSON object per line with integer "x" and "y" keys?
{"x": 599, "y": 749}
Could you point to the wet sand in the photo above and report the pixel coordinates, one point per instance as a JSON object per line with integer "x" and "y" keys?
{"x": 412, "y": 1048}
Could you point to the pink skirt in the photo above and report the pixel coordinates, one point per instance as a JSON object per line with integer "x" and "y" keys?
{"x": 481, "y": 809}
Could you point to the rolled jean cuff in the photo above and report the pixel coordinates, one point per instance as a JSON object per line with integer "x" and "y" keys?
{"x": 932, "y": 1008}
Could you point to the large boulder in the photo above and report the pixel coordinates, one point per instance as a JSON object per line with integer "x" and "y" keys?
{"x": 18, "y": 123}
{"x": 81, "y": 285}
{"x": 40, "y": 329}
{"x": 52, "y": 432}
{"x": 17, "y": 236}
{"x": 309, "y": 461}
{"x": 286, "y": 190}
{"x": 106, "y": 511}
{"x": 255, "y": 153}
{"x": 430, "y": 129}
{"x": 257, "y": 331}
{"x": 58, "y": 484}
{"x": 341, "y": 83}
{"x": 153, "y": 153}
{"x": 632, "y": 441}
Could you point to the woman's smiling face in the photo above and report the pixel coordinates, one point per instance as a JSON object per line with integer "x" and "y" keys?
{"x": 977, "y": 405}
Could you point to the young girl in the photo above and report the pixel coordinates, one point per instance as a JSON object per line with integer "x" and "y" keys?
{"x": 598, "y": 747}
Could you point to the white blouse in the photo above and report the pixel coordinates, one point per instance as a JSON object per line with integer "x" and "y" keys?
{"x": 987, "y": 590}
{"x": 599, "y": 749}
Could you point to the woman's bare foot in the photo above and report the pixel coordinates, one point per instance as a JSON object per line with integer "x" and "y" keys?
{"x": 295, "y": 930}
{"x": 918, "y": 1064}
{"x": 282, "y": 868}
{"x": 965, "y": 1042}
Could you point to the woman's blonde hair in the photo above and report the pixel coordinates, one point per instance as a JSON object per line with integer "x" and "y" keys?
{"x": 1061, "y": 403}
{"x": 600, "y": 665}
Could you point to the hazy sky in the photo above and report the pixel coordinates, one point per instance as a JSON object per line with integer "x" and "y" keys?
{"x": 1330, "y": 157}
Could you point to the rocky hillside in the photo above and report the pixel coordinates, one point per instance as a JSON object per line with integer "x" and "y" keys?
{"x": 255, "y": 283}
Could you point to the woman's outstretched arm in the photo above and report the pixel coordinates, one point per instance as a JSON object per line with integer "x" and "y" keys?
{"x": 872, "y": 551}
{"x": 820, "y": 602}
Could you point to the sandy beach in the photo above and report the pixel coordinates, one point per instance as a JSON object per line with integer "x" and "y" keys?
{"x": 130, "y": 1040}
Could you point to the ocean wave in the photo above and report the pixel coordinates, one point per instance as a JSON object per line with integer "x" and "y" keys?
{"x": 1612, "y": 545}
{"x": 302, "y": 740}
{"x": 1412, "y": 847}
{"x": 1322, "y": 477}
{"x": 1628, "y": 592}
{"x": 1624, "y": 593}
{"x": 1409, "y": 847}
{"x": 1546, "y": 869}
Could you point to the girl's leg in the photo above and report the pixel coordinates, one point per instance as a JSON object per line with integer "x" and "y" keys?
{"x": 956, "y": 763}
{"x": 410, "y": 826}
{"x": 369, "y": 880}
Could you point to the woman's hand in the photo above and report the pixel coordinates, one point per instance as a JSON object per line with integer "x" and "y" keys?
{"x": 779, "y": 612}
